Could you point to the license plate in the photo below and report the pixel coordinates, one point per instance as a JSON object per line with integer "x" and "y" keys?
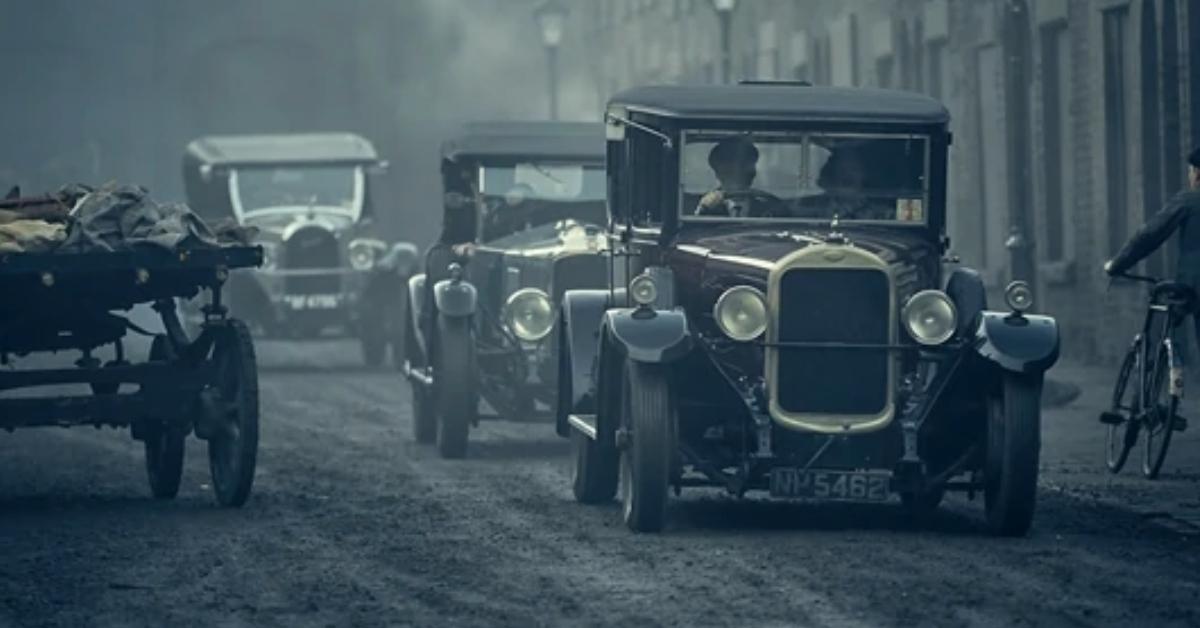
{"x": 839, "y": 485}
{"x": 312, "y": 301}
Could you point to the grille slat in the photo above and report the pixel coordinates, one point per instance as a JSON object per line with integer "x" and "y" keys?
{"x": 312, "y": 248}
{"x": 824, "y": 305}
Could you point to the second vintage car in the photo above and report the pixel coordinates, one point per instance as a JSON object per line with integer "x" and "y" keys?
{"x": 530, "y": 197}
{"x": 790, "y": 324}
{"x": 326, "y": 266}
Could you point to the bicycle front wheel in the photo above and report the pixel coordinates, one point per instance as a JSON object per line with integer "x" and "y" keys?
{"x": 1122, "y": 434}
{"x": 1162, "y": 401}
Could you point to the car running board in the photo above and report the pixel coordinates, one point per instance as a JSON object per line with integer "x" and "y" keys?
{"x": 585, "y": 423}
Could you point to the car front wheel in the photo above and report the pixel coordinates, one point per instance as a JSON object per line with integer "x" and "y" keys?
{"x": 648, "y": 420}
{"x": 1013, "y": 450}
{"x": 454, "y": 385}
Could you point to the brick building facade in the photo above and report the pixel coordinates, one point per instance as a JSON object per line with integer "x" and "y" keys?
{"x": 1071, "y": 117}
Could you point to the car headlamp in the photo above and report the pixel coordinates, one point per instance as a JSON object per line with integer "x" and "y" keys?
{"x": 741, "y": 313}
{"x": 363, "y": 253}
{"x": 1018, "y": 296}
{"x": 643, "y": 290}
{"x": 930, "y": 317}
{"x": 270, "y": 255}
{"x": 529, "y": 314}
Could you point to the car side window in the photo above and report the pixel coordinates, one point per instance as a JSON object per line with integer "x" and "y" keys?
{"x": 646, "y": 183}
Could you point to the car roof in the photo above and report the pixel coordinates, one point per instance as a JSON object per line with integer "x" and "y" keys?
{"x": 325, "y": 148}
{"x": 778, "y": 101}
{"x": 519, "y": 139}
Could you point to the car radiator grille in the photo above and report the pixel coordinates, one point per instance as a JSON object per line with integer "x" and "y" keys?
{"x": 834, "y": 306}
{"x": 579, "y": 271}
{"x": 312, "y": 248}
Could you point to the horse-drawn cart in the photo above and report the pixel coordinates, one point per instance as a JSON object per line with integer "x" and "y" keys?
{"x": 204, "y": 385}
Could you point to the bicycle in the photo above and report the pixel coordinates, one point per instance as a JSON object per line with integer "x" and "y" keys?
{"x": 1152, "y": 406}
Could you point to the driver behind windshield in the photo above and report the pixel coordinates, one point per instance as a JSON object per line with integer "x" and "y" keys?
{"x": 512, "y": 214}
{"x": 734, "y": 161}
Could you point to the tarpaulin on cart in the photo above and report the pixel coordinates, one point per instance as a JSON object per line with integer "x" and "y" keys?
{"x": 116, "y": 217}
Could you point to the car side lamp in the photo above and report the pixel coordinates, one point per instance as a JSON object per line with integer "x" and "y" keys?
{"x": 1019, "y": 297}
{"x": 456, "y": 272}
{"x": 643, "y": 291}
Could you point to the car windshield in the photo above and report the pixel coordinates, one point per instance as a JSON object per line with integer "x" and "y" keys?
{"x": 331, "y": 188}
{"x": 728, "y": 176}
{"x": 524, "y": 195}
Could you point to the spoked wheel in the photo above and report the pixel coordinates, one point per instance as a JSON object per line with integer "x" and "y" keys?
{"x": 233, "y": 447}
{"x": 454, "y": 385}
{"x": 648, "y": 417}
{"x": 1122, "y": 419}
{"x": 164, "y": 444}
{"x": 1013, "y": 449}
{"x": 1162, "y": 403}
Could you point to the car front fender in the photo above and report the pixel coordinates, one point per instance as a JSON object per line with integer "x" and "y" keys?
{"x": 650, "y": 336}
{"x": 454, "y": 298}
{"x": 1020, "y": 344}
{"x": 580, "y": 316}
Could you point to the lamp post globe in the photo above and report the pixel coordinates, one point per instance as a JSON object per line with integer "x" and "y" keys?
{"x": 551, "y": 17}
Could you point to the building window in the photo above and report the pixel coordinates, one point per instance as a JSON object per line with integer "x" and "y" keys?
{"x": 1193, "y": 11}
{"x": 936, "y": 60}
{"x": 884, "y": 66}
{"x": 993, "y": 162}
{"x": 1117, "y": 72}
{"x": 1152, "y": 165}
{"x": 1056, "y": 143}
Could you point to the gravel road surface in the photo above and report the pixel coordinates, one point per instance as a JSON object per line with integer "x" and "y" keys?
{"x": 351, "y": 523}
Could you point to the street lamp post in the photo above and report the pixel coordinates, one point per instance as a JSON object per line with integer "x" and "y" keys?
{"x": 724, "y": 9}
{"x": 551, "y": 16}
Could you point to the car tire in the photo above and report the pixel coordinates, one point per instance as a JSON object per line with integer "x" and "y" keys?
{"x": 596, "y": 470}
{"x": 164, "y": 446}
{"x": 454, "y": 385}
{"x": 1012, "y": 455}
{"x": 648, "y": 415}
{"x": 233, "y": 454}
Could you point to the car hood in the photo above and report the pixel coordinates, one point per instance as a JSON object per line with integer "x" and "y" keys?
{"x": 564, "y": 237}
{"x": 753, "y": 252}
{"x": 279, "y": 225}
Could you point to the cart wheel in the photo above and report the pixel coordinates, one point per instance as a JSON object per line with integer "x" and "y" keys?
{"x": 164, "y": 446}
{"x": 233, "y": 450}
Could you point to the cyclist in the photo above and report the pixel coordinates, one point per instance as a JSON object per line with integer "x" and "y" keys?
{"x": 1181, "y": 213}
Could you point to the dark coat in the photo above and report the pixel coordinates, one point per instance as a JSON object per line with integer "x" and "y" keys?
{"x": 1181, "y": 213}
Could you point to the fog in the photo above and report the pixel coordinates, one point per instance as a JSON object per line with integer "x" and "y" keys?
{"x": 114, "y": 91}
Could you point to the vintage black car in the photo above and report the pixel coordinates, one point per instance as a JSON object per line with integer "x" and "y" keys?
{"x": 309, "y": 197}
{"x": 525, "y": 222}
{"x": 793, "y": 321}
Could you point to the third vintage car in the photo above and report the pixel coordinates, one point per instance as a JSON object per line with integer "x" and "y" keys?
{"x": 793, "y": 321}
{"x": 525, "y": 222}
{"x": 326, "y": 265}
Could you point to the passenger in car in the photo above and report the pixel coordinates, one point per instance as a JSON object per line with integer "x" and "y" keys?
{"x": 844, "y": 178}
